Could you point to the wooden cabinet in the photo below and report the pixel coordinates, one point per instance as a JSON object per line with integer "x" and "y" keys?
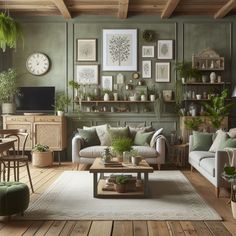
{"x": 48, "y": 130}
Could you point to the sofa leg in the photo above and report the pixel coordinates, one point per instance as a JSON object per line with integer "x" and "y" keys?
{"x": 217, "y": 191}
{"x": 191, "y": 168}
{"x": 77, "y": 166}
{"x": 159, "y": 166}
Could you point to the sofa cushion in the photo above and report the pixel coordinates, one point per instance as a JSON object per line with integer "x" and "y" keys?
{"x": 197, "y": 156}
{"x": 102, "y": 132}
{"x": 94, "y": 151}
{"x": 89, "y": 136}
{"x": 154, "y": 137}
{"x": 135, "y": 129}
{"x": 208, "y": 164}
{"x": 232, "y": 133}
{"x": 201, "y": 141}
{"x": 119, "y": 132}
{"x": 146, "y": 151}
{"x": 221, "y": 137}
{"x": 229, "y": 143}
{"x": 143, "y": 139}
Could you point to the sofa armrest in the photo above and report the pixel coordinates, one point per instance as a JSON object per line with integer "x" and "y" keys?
{"x": 77, "y": 143}
{"x": 221, "y": 158}
{"x": 161, "y": 149}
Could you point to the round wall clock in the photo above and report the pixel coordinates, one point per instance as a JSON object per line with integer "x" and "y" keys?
{"x": 37, "y": 63}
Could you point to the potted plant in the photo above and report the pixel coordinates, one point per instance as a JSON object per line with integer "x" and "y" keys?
{"x": 62, "y": 100}
{"x": 143, "y": 96}
{"x": 120, "y": 145}
{"x": 216, "y": 109}
{"x": 42, "y": 156}
{"x": 193, "y": 123}
{"x": 183, "y": 69}
{"x": 121, "y": 182}
{"x": 229, "y": 174}
{"x": 135, "y": 158}
{"x": 10, "y": 31}
{"x": 75, "y": 85}
{"x": 106, "y": 94}
{"x": 8, "y": 89}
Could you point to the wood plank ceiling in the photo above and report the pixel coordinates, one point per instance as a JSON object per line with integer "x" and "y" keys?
{"x": 120, "y": 8}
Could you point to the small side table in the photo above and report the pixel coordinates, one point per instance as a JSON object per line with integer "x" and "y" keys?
{"x": 180, "y": 151}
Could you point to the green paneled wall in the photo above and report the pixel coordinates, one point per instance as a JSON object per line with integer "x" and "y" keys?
{"x": 57, "y": 38}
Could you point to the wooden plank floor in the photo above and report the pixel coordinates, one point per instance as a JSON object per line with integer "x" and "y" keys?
{"x": 42, "y": 178}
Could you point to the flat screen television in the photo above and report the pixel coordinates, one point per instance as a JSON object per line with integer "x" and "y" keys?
{"x": 36, "y": 99}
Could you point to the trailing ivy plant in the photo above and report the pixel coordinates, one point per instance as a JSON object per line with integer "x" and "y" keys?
{"x": 8, "y": 86}
{"x": 217, "y": 110}
{"x": 10, "y": 32}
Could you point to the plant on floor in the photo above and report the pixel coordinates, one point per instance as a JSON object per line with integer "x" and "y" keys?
{"x": 120, "y": 145}
{"x": 193, "y": 123}
{"x": 216, "y": 109}
{"x": 10, "y": 32}
{"x": 42, "y": 156}
{"x": 62, "y": 100}
{"x": 40, "y": 148}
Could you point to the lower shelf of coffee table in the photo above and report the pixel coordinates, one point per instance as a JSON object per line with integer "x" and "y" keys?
{"x": 139, "y": 193}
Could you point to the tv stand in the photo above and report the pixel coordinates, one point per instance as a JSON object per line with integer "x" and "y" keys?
{"x": 49, "y": 130}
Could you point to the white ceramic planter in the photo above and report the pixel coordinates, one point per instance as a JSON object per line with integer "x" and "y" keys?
{"x": 143, "y": 98}
{"x": 106, "y": 97}
{"x": 8, "y": 108}
{"x": 42, "y": 159}
{"x": 60, "y": 113}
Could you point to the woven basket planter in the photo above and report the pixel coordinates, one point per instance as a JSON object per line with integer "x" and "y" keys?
{"x": 42, "y": 159}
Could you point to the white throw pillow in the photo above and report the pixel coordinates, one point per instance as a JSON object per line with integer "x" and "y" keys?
{"x": 154, "y": 137}
{"x": 103, "y": 134}
{"x": 220, "y": 138}
{"x": 232, "y": 133}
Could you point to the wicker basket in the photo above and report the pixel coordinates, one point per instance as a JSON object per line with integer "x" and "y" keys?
{"x": 42, "y": 159}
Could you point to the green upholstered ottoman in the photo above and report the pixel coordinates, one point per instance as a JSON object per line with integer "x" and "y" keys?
{"x": 14, "y": 198}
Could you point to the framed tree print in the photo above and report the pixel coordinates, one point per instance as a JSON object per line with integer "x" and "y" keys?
{"x": 119, "y": 49}
{"x": 146, "y": 69}
{"x": 107, "y": 82}
{"x": 148, "y": 51}
{"x": 86, "y": 50}
{"x": 163, "y": 72}
{"x": 87, "y": 74}
{"x": 165, "y": 49}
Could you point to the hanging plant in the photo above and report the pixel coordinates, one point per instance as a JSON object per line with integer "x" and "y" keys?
{"x": 10, "y": 31}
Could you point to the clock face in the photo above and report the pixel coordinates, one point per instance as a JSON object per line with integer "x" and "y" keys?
{"x": 37, "y": 64}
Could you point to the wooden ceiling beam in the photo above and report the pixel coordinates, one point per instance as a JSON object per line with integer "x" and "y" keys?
{"x": 169, "y": 8}
{"x": 60, "y": 4}
{"x": 225, "y": 9}
{"x": 123, "y": 9}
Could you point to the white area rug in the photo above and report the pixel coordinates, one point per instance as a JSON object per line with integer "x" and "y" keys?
{"x": 70, "y": 197}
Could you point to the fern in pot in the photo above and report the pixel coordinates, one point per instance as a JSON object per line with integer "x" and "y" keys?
{"x": 8, "y": 90}
{"x": 42, "y": 156}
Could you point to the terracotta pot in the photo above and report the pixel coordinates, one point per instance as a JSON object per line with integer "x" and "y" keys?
{"x": 42, "y": 159}
{"x": 120, "y": 188}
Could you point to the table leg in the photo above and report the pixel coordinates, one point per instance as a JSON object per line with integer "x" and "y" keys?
{"x": 95, "y": 184}
{"x": 145, "y": 184}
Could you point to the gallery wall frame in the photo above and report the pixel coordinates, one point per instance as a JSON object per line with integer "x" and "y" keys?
{"x": 86, "y": 50}
{"x": 148, "y": 51}
{"x": 165, "y": 49}
{"x": 147, "y": 69}
{"x": 107, "y": 82}
{"x": 119, "y": 50}
{"x": 87, "y": 74}
{"x": 162, "y": 72}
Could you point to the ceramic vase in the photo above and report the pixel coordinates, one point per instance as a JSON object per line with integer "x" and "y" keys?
{"x": 213, "y": 77}
{"x": 106, "y": 97}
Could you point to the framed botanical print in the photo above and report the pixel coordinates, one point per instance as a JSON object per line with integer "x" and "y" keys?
{"x": 87, "y": 74}
{"x": 163, "y": 72}
{"x": 107, "y": 82}
{"x": 165, "y": 49}
{"x": 146, "y": 69}
{"x": 148, "y": 51}
{"x": 86, "y": 50}
{"x": 119, "y": 49}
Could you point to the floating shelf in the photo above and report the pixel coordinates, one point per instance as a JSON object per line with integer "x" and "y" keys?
{"x": 115, "y": 101}
{"x": 200, "y": 83}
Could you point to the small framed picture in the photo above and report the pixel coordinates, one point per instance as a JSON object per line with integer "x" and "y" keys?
{"x": 87, "y": 74}
{"x": 165, "y": 49}
{"x": 86, "y": 50}
{"x": 146, "y": 69}
{"x": 107, "y": 83}
{"x": 163, "y": 72}
{"x": 167, "y": 95}
{"x": 147, "y": 51}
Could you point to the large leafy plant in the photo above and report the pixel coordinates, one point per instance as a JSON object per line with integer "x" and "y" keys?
{"x": 10, "y": 31}
{"x": 119, "y": 145}
{"x": 62, "y": 100}
{"x": 8, "y": 86}
{"x": 217, "y": 110}
{"x": 193, "y": 123}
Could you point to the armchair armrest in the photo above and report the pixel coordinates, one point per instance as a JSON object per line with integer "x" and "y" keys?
{"x": 77, "y": 143}
{"x": 161, "y": 149}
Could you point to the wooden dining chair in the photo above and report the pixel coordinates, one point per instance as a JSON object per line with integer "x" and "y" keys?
{"x": 16, "y": 158}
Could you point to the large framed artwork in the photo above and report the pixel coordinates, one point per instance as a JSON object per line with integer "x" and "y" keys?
{"x": 165, "y": 49}
{"x": 107, "y": 82}
{"x": 86, "y": 50}
{"x": 163, "y": 72}
{"x": 87, "y": 74}
{"x": 119, "y": 49}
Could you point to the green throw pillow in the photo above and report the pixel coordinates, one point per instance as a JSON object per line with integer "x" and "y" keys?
{"x": 119, "y": 132}
{"x": 143, "y": 139}
{"x": 201, "y": 141}
{"x": 89, "y": 136}
{"x": 229, "y": 143}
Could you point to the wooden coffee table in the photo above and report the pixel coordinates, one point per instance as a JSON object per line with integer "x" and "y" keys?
{"x": 99, "y": 183}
